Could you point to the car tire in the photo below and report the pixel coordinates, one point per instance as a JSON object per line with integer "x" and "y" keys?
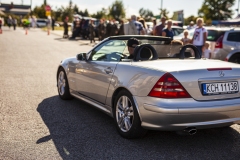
{"x": 126, "y": 116}
{"x": 62, "y": 85}
{"x": 235, "y": 59}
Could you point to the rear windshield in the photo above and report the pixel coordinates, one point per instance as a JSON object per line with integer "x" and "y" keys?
{"x": 213, "y": 35}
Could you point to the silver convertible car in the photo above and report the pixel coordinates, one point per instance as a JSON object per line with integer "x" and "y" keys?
{"x": 165, "y": 86}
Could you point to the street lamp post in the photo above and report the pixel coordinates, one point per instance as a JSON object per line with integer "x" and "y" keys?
{"x": 238, "y": 6}
{"x": 161, "y": 4}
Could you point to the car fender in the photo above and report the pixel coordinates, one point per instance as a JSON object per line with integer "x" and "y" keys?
{"x": 137, "y": 80}
{"x": 64, "y": 64}
{"x": 233, "y": 52}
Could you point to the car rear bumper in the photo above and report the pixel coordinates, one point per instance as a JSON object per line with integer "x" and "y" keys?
{"x": 178, "y": 114}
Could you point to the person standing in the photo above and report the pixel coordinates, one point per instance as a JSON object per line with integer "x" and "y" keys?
{"x": 199, "y": 36}
{"x": 154, "y": 27}
{"x": 65, "y": 26}
{"x": 108, "y": 29}
{"x": 91, "y": 29}
{"x": 206, "y": 51}
{"x": 159, "y": 28}
{"x": 191, "y": 26}
{"x": 101, "y": 30}
{"x": 185, "y": 39}
{"x": 9, "y": 22}
{"x": 20, "y": 21}
{"x": 14, "y": 22}
{"x": 49, "y": 24}
{"x": 1, "y": 22}
{"x": 168, "y": 32}
{"x": 53, "y": 23}
{"x": 121, "y": 29}
{"x": 141, "y": 20}
{"x": 114, "y": 28}
{"x": 33, "y": 22}
{"x": 84, "y": 28}
{"x": 134, "y": 27}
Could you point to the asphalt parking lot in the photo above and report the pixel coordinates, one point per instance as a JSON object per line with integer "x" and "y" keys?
{"x": 36, "y": 124}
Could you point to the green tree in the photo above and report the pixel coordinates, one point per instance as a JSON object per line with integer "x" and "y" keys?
{"x": 66, "y": 11}
{"x": 75, "y": 9}
{"x": 86, "y": 12}
{"x": 39, "y": 11}
{"x": 146, "y": 14}
{"x": 100, "y": 14}
{"x": 116, "y": 10}
{"x": 216, "y": 9}
{"x": 164, "y": 13}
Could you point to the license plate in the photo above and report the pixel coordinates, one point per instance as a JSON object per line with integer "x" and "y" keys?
{"x": 220, "y": 88}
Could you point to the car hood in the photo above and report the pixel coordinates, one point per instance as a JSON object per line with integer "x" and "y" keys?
{"x": 184, "y": 65}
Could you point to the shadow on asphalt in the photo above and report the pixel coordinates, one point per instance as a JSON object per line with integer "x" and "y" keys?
{"x": 80, "y": 131}
{"x": 62, "y": 39}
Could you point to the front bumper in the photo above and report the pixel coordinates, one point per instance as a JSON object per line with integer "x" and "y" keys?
{"x": 178, "y": 114}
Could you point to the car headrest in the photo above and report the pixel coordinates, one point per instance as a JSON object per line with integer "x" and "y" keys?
{"x": 194, "y": 48}
{"x": 145, "y": 52}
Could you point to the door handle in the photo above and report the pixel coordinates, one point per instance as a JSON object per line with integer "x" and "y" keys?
{"x": 108, "y": 70}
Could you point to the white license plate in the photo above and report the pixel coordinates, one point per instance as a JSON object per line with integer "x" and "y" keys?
{"x": 220, "y": 88}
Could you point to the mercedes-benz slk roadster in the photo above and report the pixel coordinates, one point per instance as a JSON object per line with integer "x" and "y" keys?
{"x": 165, "y": 86}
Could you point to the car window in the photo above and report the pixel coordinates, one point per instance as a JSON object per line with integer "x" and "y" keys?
{"x": 111, "y": 50}
{"x": 235, "y": 37}
{"x": 213, "y": 35}
{"x": 177, "y": 31}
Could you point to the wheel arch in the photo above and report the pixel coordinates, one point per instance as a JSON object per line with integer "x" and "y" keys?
{"x": 114, "y": 95}
{"x": 61, "y": 67}
{"x": 231, "y": 54}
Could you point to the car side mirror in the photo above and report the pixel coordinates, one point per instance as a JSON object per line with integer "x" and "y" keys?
{"x": 82, "y": 56}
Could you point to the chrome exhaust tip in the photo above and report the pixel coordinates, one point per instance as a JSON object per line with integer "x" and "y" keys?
{"x": 191, "y": 130}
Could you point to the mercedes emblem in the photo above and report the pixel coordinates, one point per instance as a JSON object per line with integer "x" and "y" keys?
{"x": 221, "y": 74}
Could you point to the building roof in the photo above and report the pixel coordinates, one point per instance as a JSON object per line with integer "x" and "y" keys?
{"x": 6, "y": 5}
{"x": 15, "y": 8}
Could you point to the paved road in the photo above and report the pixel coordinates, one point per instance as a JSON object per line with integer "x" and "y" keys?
{"x": 36, "y": 124}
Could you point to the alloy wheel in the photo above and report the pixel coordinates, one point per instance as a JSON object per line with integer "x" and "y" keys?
{"x": 124, "y": 113}
{"x": 61, "y": 83}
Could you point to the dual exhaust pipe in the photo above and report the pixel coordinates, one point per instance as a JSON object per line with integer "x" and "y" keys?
{"x": 190, "y": 130}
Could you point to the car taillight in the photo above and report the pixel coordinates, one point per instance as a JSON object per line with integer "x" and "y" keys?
{"x": 168, "y": 87}
{"x": 219, "y": 42}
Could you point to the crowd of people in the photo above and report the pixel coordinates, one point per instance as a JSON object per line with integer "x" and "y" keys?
{"x": 11, "y": 22}
{"x": 135, "y": 26}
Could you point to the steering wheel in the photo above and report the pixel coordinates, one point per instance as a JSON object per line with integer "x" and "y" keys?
{"x": 194, "y": 48}
{"x": 116, "y": 56}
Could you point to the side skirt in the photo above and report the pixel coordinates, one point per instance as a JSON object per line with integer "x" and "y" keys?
{"x": 92, "y": 102}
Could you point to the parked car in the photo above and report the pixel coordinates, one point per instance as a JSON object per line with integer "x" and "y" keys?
{"x": 228, "y": 46}
{"x": 224, "y": 43}
{"x": 177, "y": 30}
{"x": 43, "y": 23}
{"x": 156, "y": 90}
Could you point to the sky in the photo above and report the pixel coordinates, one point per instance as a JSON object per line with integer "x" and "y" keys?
{"x": 190, "y": 7}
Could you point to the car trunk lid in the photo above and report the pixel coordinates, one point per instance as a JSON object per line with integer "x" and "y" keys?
{"x": 202, "y": 79}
